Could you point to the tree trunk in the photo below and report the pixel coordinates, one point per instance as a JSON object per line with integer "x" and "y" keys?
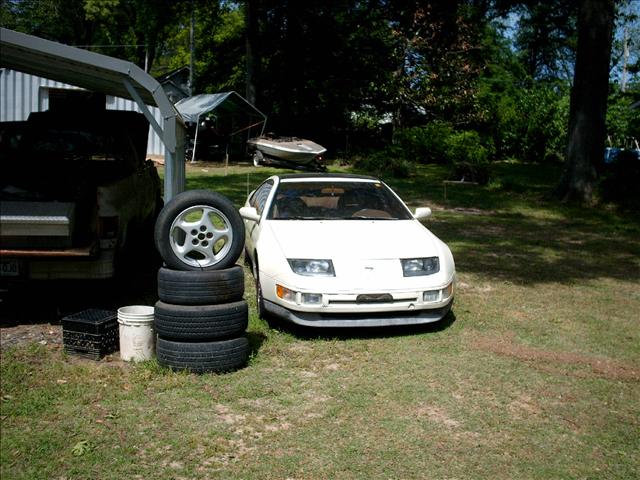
{"x": 587, "y": 130}
{"x": 252, "y": 56}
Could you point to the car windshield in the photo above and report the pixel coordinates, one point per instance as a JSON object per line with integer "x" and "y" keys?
{"x": 339, "y": 200}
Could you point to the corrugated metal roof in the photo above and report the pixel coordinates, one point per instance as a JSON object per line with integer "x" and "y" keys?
{"x": 74, "y": 66}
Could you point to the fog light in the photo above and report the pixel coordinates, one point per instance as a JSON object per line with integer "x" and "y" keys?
{"x": 431, "y": 296}
{"x": 447, "y": 291}
{"x": 285, "y": 294}
{"x": 312, "y": 298}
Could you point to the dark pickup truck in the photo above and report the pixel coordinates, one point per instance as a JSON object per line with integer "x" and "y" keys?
{"x": 76, "y": 195}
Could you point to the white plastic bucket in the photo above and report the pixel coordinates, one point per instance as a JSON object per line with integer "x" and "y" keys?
{"x": 137, "y": 338}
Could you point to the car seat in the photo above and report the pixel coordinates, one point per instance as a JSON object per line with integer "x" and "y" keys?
{"x": 350, "y": 202}
{"x": 289, "y": 207}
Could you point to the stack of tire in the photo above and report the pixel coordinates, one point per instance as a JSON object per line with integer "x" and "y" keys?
{"x": 201, "y": 317}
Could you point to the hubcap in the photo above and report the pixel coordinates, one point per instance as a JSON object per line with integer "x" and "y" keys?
{"x": 201, "y": 236}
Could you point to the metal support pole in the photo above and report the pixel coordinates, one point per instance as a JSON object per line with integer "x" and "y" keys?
{"x": 195, "y": 140}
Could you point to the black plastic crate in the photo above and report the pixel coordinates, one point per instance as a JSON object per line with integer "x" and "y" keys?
{"x": 90, "y": 321}
{"x": 90, "y": 333}
{"x": 91, "y": 345}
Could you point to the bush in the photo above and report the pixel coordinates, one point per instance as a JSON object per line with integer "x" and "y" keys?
{"x": 469, "y": 157}
{"x": 529, "y": 124}
{"x": 387, "y": 162}
{"x": 436, "y": 142}
{"x": 469, "y": 172}
{"x": 425, "y": 144}
{"x": 466, "y": 146}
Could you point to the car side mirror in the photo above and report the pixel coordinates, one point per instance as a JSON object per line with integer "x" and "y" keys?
{"x": 422, "y": 213}
{"x": 249, "y": 213}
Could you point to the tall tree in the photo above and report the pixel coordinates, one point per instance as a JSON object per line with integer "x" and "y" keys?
{"x": 322, "y": 60}
{"x": 546, "y": 37}
{"x": 439, "y": 58}
{"x": 132, "y": 29}
{"x": 59, "y": 20}
{"x": 588, "y": 100}
{"x": 252, "y": 54}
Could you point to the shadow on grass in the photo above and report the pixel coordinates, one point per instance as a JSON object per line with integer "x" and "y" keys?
{"x": 235, "y": 186}
{"x": 528, "y": 250}
{"x": 256, "y": 339}
{"x": 511, "y": 230}
{"x": 50, "y": 301}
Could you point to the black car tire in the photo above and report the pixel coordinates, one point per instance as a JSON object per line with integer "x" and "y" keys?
{"x": 260, "y": 300}
{"x": 200, "y": 288}
{"x": 201, "y": 234}
{"x": 203, "y": 357}
{"x": 199, "y": 323}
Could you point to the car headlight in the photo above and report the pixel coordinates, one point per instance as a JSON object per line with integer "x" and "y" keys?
{"x": 413, "y": 267}
{"x": 296, "y": 297}
{"x": 312, "y": 268}
{"x": 286, "y": 293}
{"x": 447, "y": 291}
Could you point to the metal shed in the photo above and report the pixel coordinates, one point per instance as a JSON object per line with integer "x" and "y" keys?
{"x": 105, "y": 74}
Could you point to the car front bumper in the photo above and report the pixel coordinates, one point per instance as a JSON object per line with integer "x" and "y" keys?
{"x": 369, "y": 319}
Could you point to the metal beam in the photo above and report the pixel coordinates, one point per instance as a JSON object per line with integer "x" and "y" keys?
{"x": 143, "y": 107}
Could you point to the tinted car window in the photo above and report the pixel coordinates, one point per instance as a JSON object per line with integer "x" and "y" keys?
{"x": 259, "y": 198}
{"x": 336, "y": 201}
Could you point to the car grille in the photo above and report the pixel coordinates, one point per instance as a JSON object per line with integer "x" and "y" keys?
{"x": 367, "y": 299}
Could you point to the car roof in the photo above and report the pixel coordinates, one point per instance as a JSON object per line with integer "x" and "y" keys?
{"x": 325, "y": 176}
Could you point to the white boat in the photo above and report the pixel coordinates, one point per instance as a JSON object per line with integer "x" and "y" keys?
{"x": 291, "y": 151}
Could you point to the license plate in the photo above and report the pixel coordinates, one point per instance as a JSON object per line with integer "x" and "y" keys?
{"x": 9, "y": 268}
{"x": 374, "y": 298}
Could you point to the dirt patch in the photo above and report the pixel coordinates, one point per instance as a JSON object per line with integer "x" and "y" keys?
{"x": 436, "y": 415}
{"x": 547, "y": 359}
{"x": 471, "y": 211}
{"x": 19, "y": 335}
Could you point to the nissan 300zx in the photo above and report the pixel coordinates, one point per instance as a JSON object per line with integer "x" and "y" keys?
{"x": 333, "y": 250}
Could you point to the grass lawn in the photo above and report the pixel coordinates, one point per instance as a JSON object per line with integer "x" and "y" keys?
{"x": 536, "y": 374}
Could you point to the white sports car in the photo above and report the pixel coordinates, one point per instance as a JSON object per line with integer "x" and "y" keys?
{"x": 332, "y": 250}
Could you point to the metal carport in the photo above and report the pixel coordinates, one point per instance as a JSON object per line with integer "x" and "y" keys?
{"x": 104, "y": 74}
{"x": 228, "y": 104}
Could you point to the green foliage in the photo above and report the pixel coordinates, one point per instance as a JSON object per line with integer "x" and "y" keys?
{"x": 465, "y": 151}
{"x": 425, "y": 144}
{"x": 438, "y": 59}
{"x": 389, "y": 162}
{"x": 100, "y": 9}
{"x": 547, "y": 112}
{"x": 58, "y": 20}
{"x": 466, "y": 146}
{"x": 469, "y": 157}
{"x": 623, "y": 122}
{"x": 529, "y": 124}
{"x": 82, "y": 447}
{"x": 546, "y": 38}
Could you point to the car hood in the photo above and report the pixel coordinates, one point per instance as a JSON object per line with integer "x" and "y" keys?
{"x": 354, "y": 239}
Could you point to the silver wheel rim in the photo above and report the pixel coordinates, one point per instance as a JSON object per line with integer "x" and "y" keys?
{"x": 201, "y": 236}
